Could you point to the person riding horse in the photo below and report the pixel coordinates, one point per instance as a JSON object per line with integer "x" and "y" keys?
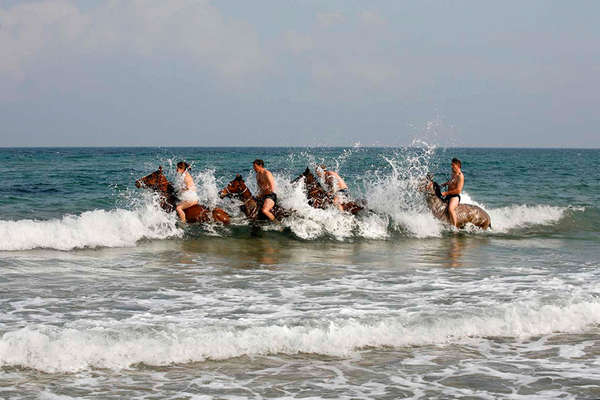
{"x": 251, "y": 207}
{"x": 318, "y": 197}
{"x": 186, "y": 189}
{"x": 169, "y": 200}
{"x": 266, "y": 186}
{"x": 465, "y": 213}
{"x": 338, "y": 189}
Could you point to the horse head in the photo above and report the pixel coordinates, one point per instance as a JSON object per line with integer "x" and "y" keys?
{"x": 428, "y": 185}
{"x": 311, "y": 182}
{"x": 236, "y": 187}
{"x": 155, "y": 181}
{"x": 306, "y": 175}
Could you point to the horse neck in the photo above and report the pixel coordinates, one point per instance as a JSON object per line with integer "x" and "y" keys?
{"x": 437, "y": 206}
{"x": 167, "y": 192}
{"x": 313, "y": 187}
{"x": 250, "y": 203}
{"x": 246, "y": 194}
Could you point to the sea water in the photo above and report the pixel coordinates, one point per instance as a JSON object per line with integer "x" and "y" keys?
{"x": 105, "y": 296}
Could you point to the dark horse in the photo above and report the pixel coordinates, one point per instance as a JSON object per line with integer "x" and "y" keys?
{"x": 252, "y": 206}
{"x": 319, "y": 198}
{"x": 158, "y": 182}
{"x": 465, "y": 213}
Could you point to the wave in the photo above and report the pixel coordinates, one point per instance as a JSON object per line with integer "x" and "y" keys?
{"x": 124, "y": 228}
{"x": 118, "y": 346}
{"x": 396, "y": 209}
{"x": 505, "y": 219}
{"x": 91, "y": 229}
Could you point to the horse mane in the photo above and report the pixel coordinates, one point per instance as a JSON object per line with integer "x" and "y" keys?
{"x": 310, "y": 180}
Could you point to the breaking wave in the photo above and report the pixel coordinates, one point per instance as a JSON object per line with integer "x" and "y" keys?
{"x": 119, "y": 345}
{"x": 396, "y": 210}
{"x": 98, "y": 228}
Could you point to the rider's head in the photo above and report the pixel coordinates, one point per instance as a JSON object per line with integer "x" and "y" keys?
{"x": 182, "y": 166}
{"x": 258, "y": 165}
{"x": 456, "y": 164}
{"x": 321, "y": 169}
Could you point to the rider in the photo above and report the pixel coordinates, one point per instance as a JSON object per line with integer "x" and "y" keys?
{"x": 266, "y": 186}
{"x": 186, "y": 189}
{"x": 337, "y": 187}
{"x": 455, "y": 186}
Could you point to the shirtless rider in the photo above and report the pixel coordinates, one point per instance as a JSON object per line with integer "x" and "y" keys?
{"x": 336, "y": 185}
{"x": 455, "y": 187}
{"x": 266, "y": 186}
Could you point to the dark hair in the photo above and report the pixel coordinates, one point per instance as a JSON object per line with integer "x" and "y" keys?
{"x": 183, "y": 165}
{"x": 259, "y": 162}
{"x": 457, "y": 162}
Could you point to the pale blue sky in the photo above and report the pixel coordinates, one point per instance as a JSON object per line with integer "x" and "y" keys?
{"x": 210, "y": 73}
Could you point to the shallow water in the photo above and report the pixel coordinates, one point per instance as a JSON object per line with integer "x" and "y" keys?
{"x": 116, "y": 301}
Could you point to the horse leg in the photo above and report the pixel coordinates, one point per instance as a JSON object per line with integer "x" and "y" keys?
{"x": 182, "y": 206}
{"x": 268, "y": 204}
{"x": 221, "y": 216}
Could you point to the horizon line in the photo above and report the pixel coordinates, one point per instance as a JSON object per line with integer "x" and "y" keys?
{"x": 294, "y": 147}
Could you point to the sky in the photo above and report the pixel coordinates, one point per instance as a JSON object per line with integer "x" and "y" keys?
{"x": 299, "y": 73}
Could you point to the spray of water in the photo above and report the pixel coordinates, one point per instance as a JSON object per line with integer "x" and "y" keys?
{"x": 395, "y": 208}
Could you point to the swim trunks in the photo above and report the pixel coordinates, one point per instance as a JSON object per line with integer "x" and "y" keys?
{"x": 449, "y": 196}
{"x": 271, "y": 196}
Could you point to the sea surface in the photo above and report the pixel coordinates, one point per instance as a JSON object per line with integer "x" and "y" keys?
{"x": 105, "y": 296}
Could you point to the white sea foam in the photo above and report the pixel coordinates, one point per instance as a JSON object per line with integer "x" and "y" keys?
{"x": 395, "y": 205}
{"x": 208, "y": 192}
{"x": 519, "y": 216}
{"x": 98, "y": 228}
{"x": 120, "y": 345}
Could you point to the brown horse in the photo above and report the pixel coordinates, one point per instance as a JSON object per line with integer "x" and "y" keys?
{"x": 319, "y": 198}
{"x": 465, "y": 213}
{"x": 252, "y": 206}
{"x": 158, "y": 182}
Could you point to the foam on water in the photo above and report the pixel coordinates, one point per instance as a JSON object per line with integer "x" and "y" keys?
{"x": 207, "y": 188}
{"x": 395, "y": 207}
{"x": 520, "y": 216}
{"x": 120, "y": 345}
{"x": 98, "y": 228}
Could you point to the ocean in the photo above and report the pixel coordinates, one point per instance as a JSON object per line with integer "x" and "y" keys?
{"x": 105, "y": 296}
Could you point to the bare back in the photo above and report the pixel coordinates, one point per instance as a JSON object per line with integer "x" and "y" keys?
{"x": 334, "y": 181}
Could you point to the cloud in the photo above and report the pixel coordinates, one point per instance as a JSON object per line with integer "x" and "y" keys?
{"x": 297, "y": 42}
{"x": 372, "y": 18}
{"x": 328, "y": 19}
{"x": 28, "y": 29}
{"x": 194, "y": 30}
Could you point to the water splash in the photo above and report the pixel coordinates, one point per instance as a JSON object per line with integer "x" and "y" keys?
{"x": 91, "y": 229}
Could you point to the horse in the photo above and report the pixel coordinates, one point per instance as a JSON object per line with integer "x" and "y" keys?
{"x": 158, "y": 182}
{"x": 318, "y": 197}
{"x": 252, "y": 206}
{"x": 465, "y": 213}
